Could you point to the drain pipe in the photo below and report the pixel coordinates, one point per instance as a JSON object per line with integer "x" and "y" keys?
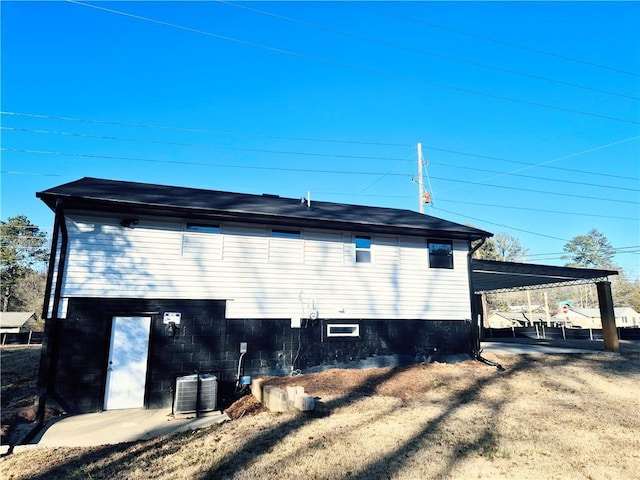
{"x": 49, "y": 341}
{"x": 476, "y": 351}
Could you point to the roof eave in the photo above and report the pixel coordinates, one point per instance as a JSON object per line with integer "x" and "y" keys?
{"x": 150, "y": 209}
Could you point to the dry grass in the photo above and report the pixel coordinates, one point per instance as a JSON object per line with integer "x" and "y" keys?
{"x": 19, "y": 367}
{"x": 545, "y": 416}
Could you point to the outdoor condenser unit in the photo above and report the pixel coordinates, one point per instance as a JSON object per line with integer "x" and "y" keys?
{"x": 186, "y": 400}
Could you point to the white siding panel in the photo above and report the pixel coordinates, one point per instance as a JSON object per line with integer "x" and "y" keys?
{"x": 263, "y": 276}
{"x": 203, "y": 245}
{"x": 286, "y": 250}
{"x": 349, "y": 249}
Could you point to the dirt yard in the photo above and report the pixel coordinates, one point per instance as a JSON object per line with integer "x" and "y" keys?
{"x": 544, "y": 416}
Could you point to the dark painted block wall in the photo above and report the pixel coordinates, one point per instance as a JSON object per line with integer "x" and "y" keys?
{"x": 277, "y": 349}
{"x": 80, "y": 369}
{"x": 207, "y": 342}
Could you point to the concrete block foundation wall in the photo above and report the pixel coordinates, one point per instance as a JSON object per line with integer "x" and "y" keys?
{"x": 207, "y": 342}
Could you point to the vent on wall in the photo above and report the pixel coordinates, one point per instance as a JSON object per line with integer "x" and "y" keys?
{"x": 187, "y": 390}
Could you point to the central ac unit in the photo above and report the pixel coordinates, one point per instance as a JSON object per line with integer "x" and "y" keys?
{"x": 187, "y": 390}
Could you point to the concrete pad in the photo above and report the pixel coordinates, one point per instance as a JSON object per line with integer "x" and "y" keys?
{"x": 118, "y": 426}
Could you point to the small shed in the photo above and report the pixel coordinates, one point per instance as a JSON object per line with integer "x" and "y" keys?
{"x": 16, "y": 322}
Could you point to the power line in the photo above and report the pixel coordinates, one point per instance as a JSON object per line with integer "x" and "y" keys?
{"x": 184, "y": 162}
{"x": 255, "y": 167}
{"x": 349, "y": 194}
{"x": 505, "y": 226}
{"x": 354, "y": 142}
{"x": 543, "y": 165}
{"x": 359, "y": 68}
{"x": 202, "y": 145}
{"x": 423, "y": 52}
{"x": 511, "y": 207}
{"x": 196, "y": 130}
{"x": 546, "y": 179}
{"x": 502, "y": 42}
{"x": 478, "y": 204}
{"x": 618, "y": 250}
{"x": 520, "y": 189}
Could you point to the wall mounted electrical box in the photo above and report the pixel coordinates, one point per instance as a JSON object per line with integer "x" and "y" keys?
{"x": 171, "y": 317}
{"x": 243, "y": 347}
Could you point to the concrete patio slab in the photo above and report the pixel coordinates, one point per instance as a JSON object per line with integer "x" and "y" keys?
{"x": 117, "y": 426}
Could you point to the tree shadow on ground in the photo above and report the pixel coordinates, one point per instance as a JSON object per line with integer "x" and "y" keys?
{"x": 115, "y": 461}
{"x": 393, "y": 462}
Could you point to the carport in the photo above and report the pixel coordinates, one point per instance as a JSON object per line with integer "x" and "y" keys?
{"x": 495, "y": 276}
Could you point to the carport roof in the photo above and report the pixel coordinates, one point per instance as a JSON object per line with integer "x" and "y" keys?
{"x": 491, "y": 276}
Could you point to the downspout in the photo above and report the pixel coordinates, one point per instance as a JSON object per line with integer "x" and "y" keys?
{"x": 49, "y": 341}
{"x": 475, "y": 347}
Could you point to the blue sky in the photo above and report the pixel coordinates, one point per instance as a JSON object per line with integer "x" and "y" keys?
{"x": 528, "y": 113}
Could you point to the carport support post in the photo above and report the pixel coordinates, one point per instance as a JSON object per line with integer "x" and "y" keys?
{"x": 608, "y": 317}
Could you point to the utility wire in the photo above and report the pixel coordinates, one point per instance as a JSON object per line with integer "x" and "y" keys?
{"x": 354, "y": 142}
{"x": 511, "y": 207}
{"x": 201, "y": 164}
{"x": 521, "y": 189}
{"x": 477, "y": 204}
{"x": 209, "y": 132}
{"x": 255, "y": 167}
{"x": 349, "y": 194}
{"x": 202, "y": 145}
{"x": 543, "y": 165}
{"x": 616, "y": 249}
{"x": 281, "y": 152}
{"x": 546, "y": 179}
{"x": 382, "y": 177}
{"x": 495, "y": 40}
{"x": 423, "y": 52}
{"x": 504, "y": 226}
{"x": 360, "y": 68}
{"x": 600, "y": 147}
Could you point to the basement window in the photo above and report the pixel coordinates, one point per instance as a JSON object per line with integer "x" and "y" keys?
{"x": 440, "y": 254}
{"x": 343, "y": 330}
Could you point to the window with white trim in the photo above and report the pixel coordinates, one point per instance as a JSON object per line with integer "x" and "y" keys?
{"x": 363, "y": 248}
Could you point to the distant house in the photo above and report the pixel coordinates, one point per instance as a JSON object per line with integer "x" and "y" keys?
{"x": 151, "y": 282}
{"x": 513, "y": 319}
{"x": 16, "y": 322}
{"x": 590, "y": 317}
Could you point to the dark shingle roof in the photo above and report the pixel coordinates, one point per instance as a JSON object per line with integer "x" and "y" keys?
{"x": 149, "y": 199}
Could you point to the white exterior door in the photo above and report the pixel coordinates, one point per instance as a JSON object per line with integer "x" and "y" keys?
{"x": 127, "y": 368}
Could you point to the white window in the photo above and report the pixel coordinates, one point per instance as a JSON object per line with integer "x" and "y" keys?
{"x": 343, "y": 330}
{"x": 363, "y": 249}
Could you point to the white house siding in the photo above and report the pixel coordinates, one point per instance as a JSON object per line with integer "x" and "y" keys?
{"x": 264, "y": 276}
